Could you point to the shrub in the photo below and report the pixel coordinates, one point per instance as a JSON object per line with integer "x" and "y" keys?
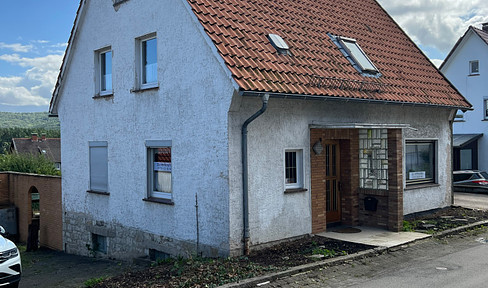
{"x": 27, "y": 163}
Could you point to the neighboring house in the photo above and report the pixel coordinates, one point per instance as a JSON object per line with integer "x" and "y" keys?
{"x": 466, "y": 67}
{"x": 49, "y": 147}
{"x": 155, "y": 100}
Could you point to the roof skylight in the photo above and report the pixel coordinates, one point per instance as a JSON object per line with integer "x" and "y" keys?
{"x": 279, "y": 44}
{"x": 351, "y": 49}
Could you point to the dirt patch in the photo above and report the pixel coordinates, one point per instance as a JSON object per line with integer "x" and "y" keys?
{"x": 214, "y": 272}
{"x": 443, "y": 219}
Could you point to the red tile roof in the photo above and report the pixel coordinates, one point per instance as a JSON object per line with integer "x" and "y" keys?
{"x": 239, "y": 29}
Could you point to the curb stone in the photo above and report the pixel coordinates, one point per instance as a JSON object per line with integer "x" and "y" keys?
{"x": 256, "y": 281}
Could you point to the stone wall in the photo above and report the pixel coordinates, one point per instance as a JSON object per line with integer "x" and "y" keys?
{"x": 122, "y": 242}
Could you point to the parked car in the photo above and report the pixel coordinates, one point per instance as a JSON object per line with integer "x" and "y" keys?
{"x": 470, "y": 181}
{"x": 10, "y": 266}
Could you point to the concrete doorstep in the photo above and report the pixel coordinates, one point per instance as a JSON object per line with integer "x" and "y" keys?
{"x": 261, "y": 281}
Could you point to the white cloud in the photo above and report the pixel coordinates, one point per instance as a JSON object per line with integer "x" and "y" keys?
{"x": 437, "y": 23}
{"x": 36, "y": 84}
{"x": 16, "y": 47}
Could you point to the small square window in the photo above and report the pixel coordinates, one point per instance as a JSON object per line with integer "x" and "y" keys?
{"x": 474, "y": 67}
{"x": 104, "y": 72}
{"x": 99, "y": 243}
{"x": 98, "y": 166}
{"x": 293, "y": 169}
{"x": 148, "y": 62}
{"x": 159, "y": 169}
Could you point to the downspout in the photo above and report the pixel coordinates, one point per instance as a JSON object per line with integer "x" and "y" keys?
{"x": 452, "y": 116}
{"x": 245, "y": 178}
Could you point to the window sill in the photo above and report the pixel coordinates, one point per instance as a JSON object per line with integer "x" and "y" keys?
{"x": 159, "y": 200}
{"x": 98, "y": 192}
{"x": 295, "y": 190}
{"x": 140, "y": 90}
{"x": 474, "y": 74}
{"x": 421, "y": 186}
{"x": 104, "y": 96}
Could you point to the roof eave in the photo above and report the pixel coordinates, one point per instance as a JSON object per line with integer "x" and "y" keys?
{"x": 347, "y": 99}
{"x": 53, "y": 109}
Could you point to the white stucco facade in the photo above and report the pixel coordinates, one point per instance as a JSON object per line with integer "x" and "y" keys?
{"x": 189, "y": 108}
{"x": 286, "y": 125}
{"x": 196, "y": 105}
{"x": 473, "y": 87}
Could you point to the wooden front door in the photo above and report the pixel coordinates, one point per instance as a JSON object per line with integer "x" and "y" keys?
{"x": 332, "y": 182}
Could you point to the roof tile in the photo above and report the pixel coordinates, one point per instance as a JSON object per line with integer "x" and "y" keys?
{"x": 239, "y": 30}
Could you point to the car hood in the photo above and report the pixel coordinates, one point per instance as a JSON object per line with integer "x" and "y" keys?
{"x": 6, "y": 244}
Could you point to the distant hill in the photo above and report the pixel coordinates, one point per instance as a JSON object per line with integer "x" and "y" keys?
{"x": 28, "y": 120}
{"x": 20, "y": 125}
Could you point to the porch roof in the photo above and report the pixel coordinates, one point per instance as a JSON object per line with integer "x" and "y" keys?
{"x": 461, "y": 140}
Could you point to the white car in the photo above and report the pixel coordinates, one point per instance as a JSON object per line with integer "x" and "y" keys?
{"x": 10, "y": 266}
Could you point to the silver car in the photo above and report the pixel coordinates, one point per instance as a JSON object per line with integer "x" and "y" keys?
{"x": 10, "y": 266}
{"x": 470, "y": 181}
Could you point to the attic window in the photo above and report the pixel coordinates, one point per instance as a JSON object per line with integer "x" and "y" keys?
{"x": 351, "y": 49}
{"x": 279, "y": 44}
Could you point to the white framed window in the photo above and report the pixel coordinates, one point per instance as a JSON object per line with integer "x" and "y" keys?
{"x": 420, "y": 161}
{"x": 104, "y": 71}
{"x": 98, "y": 166}
{"x": 293, "y": 168}
{"x": 474, "y": 67}
{"x": 147, "y": 72}
{"x": 159, "y": 169}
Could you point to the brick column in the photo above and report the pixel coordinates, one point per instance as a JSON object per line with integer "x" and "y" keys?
{"x": 395, "y": 180}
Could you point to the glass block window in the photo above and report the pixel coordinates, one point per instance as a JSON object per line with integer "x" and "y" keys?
{"x": 373, "y": 159}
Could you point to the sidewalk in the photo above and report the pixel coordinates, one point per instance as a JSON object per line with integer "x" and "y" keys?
{"x": 373, "y": 236}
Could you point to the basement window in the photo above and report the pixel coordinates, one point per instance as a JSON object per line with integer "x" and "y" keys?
{"x": 279, "y": 44}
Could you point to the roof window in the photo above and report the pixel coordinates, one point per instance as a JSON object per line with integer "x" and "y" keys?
{"x": 279, "y": 44}
{"x": 358, "y": 58}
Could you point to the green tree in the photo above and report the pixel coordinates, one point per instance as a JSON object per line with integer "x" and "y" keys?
{"x": 27, "y": 163}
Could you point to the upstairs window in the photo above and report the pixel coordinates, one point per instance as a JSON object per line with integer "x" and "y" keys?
{"x": 147, "y": 72}
{"x": 474, "y": 67}
{"x": 357, "y": 54}
{"x": 104, "y": 72}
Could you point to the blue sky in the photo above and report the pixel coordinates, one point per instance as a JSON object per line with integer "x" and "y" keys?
{"x": 33, "y": 38}
{"x": 34, "y": 33}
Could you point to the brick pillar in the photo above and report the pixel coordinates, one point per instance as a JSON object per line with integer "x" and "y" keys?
{"x": 317, "y": 164}
{"x": 395, "y": 180}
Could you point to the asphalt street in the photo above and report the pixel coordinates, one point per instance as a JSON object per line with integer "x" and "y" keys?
{"x": 453, "y": 261}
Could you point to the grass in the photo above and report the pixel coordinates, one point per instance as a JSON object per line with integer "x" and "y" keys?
{"x": 94, "y": 281}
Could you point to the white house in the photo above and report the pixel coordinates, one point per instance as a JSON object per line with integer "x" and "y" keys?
{"x": 335, "y": 112}
{"x": 466, "y": 67}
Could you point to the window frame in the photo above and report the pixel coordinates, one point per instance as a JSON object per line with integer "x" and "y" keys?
{"x": 343, "y": 41}
{"x": 151, "y": 146}
{"x": 485, "y": 108}
{"x": 299, "y": 184}
{"x": 141, "y": 59}
{"x": 92, "y": 172}
{"x": 471, "y": 72}
{"x": 98, "y": 70}
{"x": 434, "y": 164}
